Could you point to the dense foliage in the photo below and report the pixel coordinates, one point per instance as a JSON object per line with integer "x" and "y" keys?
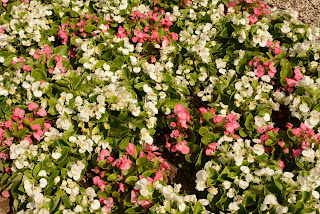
{"x": 158, "y": 106}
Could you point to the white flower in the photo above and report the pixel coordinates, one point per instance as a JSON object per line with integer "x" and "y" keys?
{"x": 78, "y": 209}
{"x": 182, "y": 207}
{"x": 220, "y": 63}
{"x": 281, "y": 209}
{"x": 95, "y": 205}
{"x": 43, "y": 182}
{"x": 42, "y": 173}
{"x": 202, "y": 175}
{"x": 213, "y": 190}
{"x": 91, "y": 192}
{"x": 43, "y": 211}
{"x": 200, "y": 185}
{"x": 226, "y": 184}
{"x": 56, "y": 180}
{"x": 243, "y": 184}
{"x": 238, "y": 159}
{"x": 258, "y": 149}
{"x": 56, "y": 155}
{"x": 233, "y": 206}
{"x": 245, "y": 169}
{"x": 204, "y": 202}
{"x": 270, "y": 199}
{"x": 304, "y": 107}
{"x": 316, "y": 194}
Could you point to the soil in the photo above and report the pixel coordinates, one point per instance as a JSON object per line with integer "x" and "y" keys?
{"x": 4, "y": 205}
{"x": 308, "y": 9}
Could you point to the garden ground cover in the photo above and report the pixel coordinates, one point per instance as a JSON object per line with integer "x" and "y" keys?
{"x": 139, "y": 106}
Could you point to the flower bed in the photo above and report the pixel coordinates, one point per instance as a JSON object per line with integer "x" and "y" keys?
{"x": 197, "y": 106}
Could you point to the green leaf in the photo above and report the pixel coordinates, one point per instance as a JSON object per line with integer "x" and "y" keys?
{"x": 249, "y": 122}
{"x": 269, "y": 142}
{"x": 172, "y": 103}
{"x": 22, "y": 132}
{"x": 89, "y": 28}
{"x": 39, "y": 74}
{"x": 77, "y": 81}
{"x": 131, "y": 180}
{"x": 62, "y": 50}
{"x": 203, "y": 131}
{"x": 124, "y": 143}
{"x": 286, "y": 71}
{"x": 66, "y": 200}
{"x": 208, "y": 138}
{"x": 142, "y": 161}
{"x": 112, "y": 177}
{"x": 118, "y": 61}
{"x": 208, "y": 116}
{"x": 37, "y": 168}
{"x": 198, "y": 208}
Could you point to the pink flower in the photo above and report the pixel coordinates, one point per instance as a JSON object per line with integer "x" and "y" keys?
{"x": 173, "y": 124}
{"x": 63, "y": 34}
{"x": 100, "y": 183}
{"x": 32, "y": 106}
{"x": 305, "y": 144}
{"x": 5, "y": 194}
{"x": 304, "y": 126}
{"x": 158, "y": 176}
{"x": 36, "y": 127}
{"x": 256, "y": 11}
{"x": 291, "y": 83}
{"x": 178, "y": 108}
{"x": 272, "y": 70}
{"x": 269, "y": 44}
{"x": 202, "y": 110}
{"x": 211, "y": 148}
{"x": 109, "y": 205}
{"x": 146, "y": 204}
{"x": 121, "y": 187}
{"x": 259, "y": 71}
{"x": 281, "y": 164}
{"x": 4, "y": 156}
{"x": 250, "y": 1}
{"x": 134, "y": 195}
{"x": 281, "y": 144}
{"x": 17, "y": 112}
{"x": 8, "y": 141}
{"x": 286, "y": 150}
{"x": 41, "y": 112}
{"x": 8, "y": 170}
{"x": 296, "y": 152}
{"x": 46, "y": 50}
{"x": 38, "y": 135}
{"x": 103, "y": 154}
{"x": 122, "y": 163}
{"x": 130, "y": 149}
{"x": 253, "y": 19}
{"x": 174, "y": 36}
{"x": 183, "y": 117}
{"x": 121, "y": 33}
{"x": 175, "y": 134}
{"x": 289, "y": 125}
{"x": 4, "y": 2}
{"x": 296, "y": 131}
{"x": 217, "y": 119}
{"x": 8, "y": 124}
{"x": 298, "y": 75}
{"x": 26, "y": 68}
{"x": 181, "y": 147}
{"x": 47, "y": 125}
{"x": 277, "y": 48}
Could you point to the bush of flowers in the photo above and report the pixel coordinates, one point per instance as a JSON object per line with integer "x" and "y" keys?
{"x": 136, "y": 106}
